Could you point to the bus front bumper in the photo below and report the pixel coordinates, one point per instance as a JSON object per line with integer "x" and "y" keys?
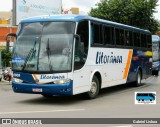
{"x": 46, "y": 89}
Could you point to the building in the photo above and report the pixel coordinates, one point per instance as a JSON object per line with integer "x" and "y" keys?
{"x": 6, "y": 27}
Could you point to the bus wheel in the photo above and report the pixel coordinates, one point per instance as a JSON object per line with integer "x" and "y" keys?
{"x": 94, "y": 90}
{"x": 139, "y": 78}
{"x": 157, "y": 73}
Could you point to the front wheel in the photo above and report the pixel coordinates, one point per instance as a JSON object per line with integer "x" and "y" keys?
{"x": 94, "y": 90}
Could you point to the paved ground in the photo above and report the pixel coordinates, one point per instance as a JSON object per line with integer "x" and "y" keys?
{"x": 114, "y": 102}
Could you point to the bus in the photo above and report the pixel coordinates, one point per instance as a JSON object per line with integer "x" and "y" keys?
{"x": 145, "y": 97}
{"x": 156, "y": 55}
{"x": 74, "y": 54}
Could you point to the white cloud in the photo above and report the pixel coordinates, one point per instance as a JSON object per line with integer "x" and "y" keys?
{"x": 83, "y": 5}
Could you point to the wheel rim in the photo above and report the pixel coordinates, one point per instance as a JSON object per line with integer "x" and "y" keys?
{"x": 7, "y": 78}
{"x": 93, "y": 89}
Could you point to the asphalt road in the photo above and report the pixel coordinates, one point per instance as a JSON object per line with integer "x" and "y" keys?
{"x": 114, "y": 102}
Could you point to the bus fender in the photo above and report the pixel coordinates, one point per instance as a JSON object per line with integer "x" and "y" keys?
{"x": 138, "y": 68}
{"x": 93, "y": 73}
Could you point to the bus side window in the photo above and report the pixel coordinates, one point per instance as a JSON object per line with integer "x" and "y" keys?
{"x": 119, "y": 36}
{"x": 83, "y": 31}
{"x": 131, "y": 38}
{"x": 96, "y": 33}
{"x": 149, "y": 42}
{"x": 127, "y": 40}
{"x": 137, "y": 39}
{"x": 143, "y": 40}
{"x": 122, "y": 35}
{"x": 107, "y": 35}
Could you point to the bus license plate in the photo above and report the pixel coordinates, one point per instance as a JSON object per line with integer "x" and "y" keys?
{"x": 37, "y": 90}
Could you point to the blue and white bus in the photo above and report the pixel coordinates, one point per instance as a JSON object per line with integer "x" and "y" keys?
{"x": 155, "y": 54}
{"x": 73, "y": 54}
{"x": 145, "y": 97}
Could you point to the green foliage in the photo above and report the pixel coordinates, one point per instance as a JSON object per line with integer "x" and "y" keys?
{"x": 6, "y": 58}
{"x": 138, "y": 13}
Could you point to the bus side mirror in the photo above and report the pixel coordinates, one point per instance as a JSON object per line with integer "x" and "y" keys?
{"x": 8, "y": 40}
{"x": 77, "y": 37}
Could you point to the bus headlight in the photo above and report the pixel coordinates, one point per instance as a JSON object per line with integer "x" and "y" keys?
{"x": 17, "y": 80}
{"x": 62, "y": 81}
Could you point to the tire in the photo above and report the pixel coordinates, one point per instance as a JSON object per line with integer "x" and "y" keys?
{"x": 7, "y": 78}
{"x": 156, "y": 73}
{"x": 4, "y": 78}
{"x": 138, "y": 79}
{"x": 94, "y": 90}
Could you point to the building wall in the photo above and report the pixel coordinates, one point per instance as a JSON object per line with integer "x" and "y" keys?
{"x": 4, "y": 31}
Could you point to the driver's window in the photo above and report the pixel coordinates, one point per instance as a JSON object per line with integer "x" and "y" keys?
{"x": 81, "y": 48}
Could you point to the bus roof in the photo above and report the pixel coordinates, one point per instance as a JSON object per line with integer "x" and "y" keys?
{"x": 78, "y": 18}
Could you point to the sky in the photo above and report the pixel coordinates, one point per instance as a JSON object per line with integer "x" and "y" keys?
{"x": 83, "y": 5}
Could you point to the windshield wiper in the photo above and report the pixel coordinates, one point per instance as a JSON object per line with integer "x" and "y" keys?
{"x": 32, "y": 51}
{"x": 48, "y": 53}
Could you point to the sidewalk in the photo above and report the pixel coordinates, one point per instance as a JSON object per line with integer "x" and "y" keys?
{"x": 6, "y": 82}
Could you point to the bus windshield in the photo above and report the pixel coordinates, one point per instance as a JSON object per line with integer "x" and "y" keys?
{"x": 43, "y": 47}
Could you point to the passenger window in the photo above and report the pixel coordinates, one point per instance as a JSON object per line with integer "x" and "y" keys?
{"x": 108, "y": 35}
{"x": 149, "y": 41}
{"x": 119, "y": 37}
{"x": 137, "y": 39}
{"x": 128, "y": 38}
{"x": 96, "y": 33}
{"x": 143, "y": 40}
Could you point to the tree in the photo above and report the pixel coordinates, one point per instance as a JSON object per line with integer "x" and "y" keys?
{"x": 138, "y": 13}
{"x": 6, "y": 58}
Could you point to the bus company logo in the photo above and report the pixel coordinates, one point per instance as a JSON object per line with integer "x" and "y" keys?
{"x": 145, "y": 97}
{"x": 101, "y": 58}
{"x": 16, "y": 75}
{"x": 52, "y": 77}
